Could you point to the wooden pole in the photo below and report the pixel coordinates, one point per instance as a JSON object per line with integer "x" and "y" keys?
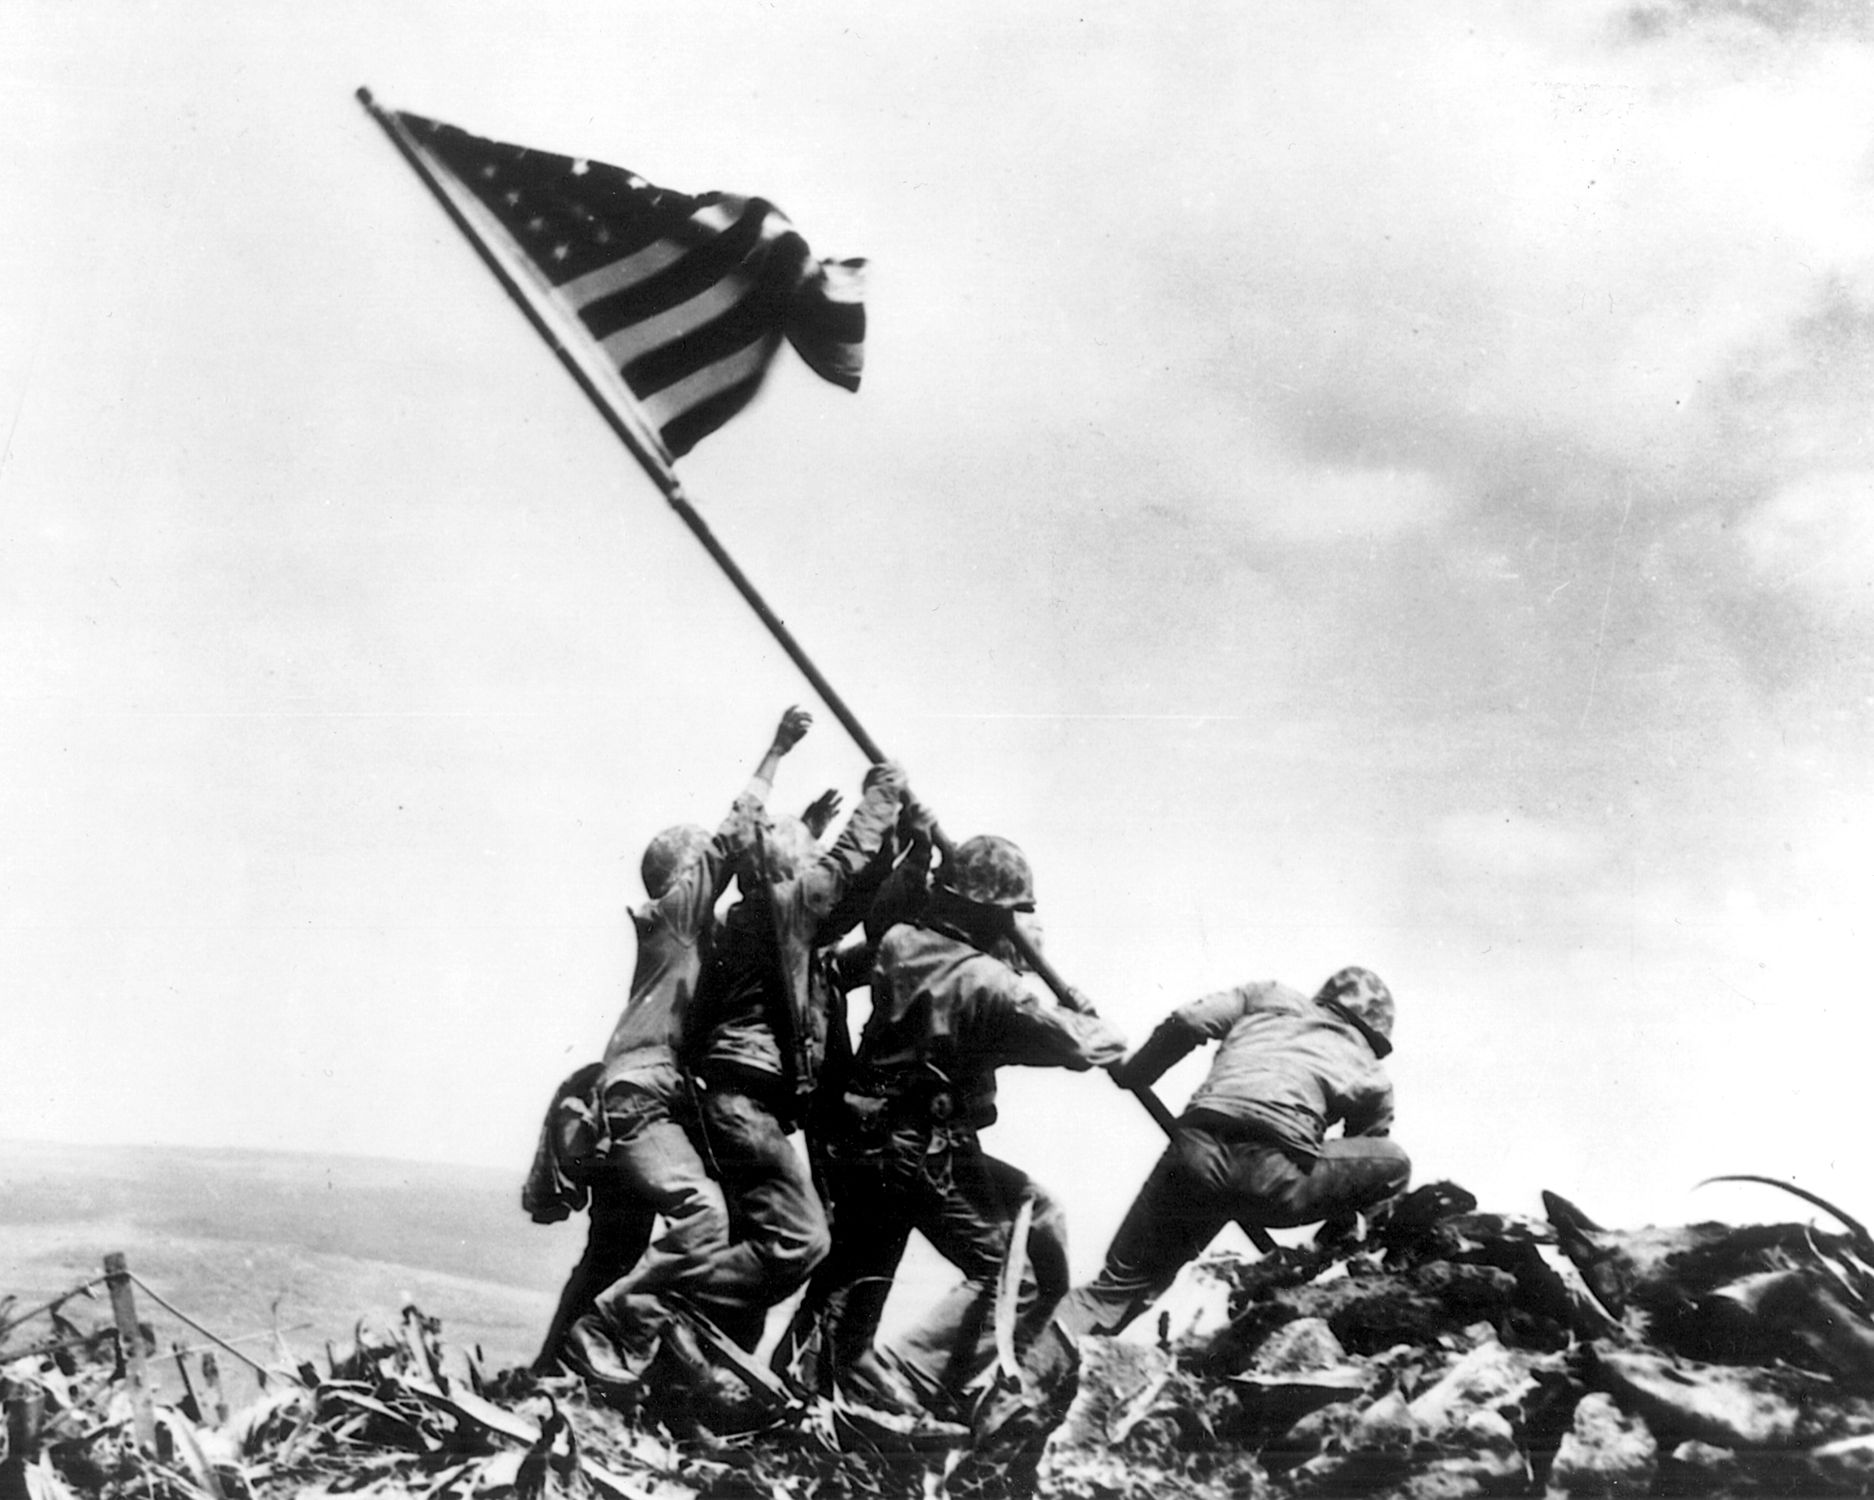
{"x": 1156, "y": 1107}
{"x": 618, "y": 407}
{"x": 130, "y": 1348}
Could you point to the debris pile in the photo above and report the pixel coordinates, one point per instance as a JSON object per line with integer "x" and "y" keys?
{"x": 1451, "y": 1353}
{"x": 1459, "y": 1353}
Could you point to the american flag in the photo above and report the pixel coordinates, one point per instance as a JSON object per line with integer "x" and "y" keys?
{"x": 687, "y": 298}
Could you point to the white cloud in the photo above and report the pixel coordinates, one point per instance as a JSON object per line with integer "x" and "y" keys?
{"x": 1504, "y": 845}
{"x": 1327, "y": 503}
{"x": 1511, "y": 249}
{"x": 1815, "y": 538}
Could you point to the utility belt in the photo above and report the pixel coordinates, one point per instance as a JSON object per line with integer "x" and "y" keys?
{"x": 1248, "y": 1130}
{"x": 935, "y": 1107}
{"x": 771, "y": 1091}
{"x": 881, "y": 1104}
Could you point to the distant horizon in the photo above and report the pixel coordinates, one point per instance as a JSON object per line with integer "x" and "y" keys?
{"x": 49, "y": 1143}
{"x": 497, "y": 1177}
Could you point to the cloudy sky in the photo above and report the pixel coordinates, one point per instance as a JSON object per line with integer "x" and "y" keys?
{"x": 1334, "y": 485}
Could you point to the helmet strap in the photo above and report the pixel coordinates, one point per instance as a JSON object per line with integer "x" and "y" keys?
{"x": 1381, "y": 1045}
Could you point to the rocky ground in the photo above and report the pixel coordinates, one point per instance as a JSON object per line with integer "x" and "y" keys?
{"x": 1452, "y": 1353}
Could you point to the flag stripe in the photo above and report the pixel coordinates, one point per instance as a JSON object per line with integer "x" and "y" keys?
{"x": 635, "y": 340}
{"x": 714, "y": 379}
{"x": 684, "y": 300}
{"x": 700, "y": 267}
{"x": 751, "y": 318}
{"x": 620, "y": 275}
{"x": 685, "y": 432}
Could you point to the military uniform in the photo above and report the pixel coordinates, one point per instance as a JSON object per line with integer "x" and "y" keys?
{"x": 945, "y": 1016}
{"x": 1252, "y": 1144}
{"x": 768, "y": 1016}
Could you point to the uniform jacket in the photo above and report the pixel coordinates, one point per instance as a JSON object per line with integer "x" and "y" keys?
{"x": 746, "y": 993}
{"x": 673, "y": 944}
{"x": 1284, "y": 1065}
{"x": 558, "y": 1184}
{"x": 946, "y": 1015}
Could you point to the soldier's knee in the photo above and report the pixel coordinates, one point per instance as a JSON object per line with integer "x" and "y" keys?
{"x": 793, "y": 1257}
{"x": 1047, "y": 1245}
{"x": 1049, "y": 1219}
{"x": 698, "y": 1216}
{"x": 815, "y": 1248}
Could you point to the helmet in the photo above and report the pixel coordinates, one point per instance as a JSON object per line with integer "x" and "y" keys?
{"x": 668, "y": 853}
{"x": 790, "y": 848}
{"x": 991, "y": 871}
{"x": 1363, "y": 995}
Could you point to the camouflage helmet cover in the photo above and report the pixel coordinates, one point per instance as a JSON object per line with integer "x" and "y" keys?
{"x": 1363, "y": 995}
{"x": 668, "y": 853}
{"x": 991, "y": 871}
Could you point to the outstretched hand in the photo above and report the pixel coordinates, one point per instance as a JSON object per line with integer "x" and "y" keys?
{"x": 792, "y": 728}
{"x": 916, "y": 821}
{"x": 821, "y": 812}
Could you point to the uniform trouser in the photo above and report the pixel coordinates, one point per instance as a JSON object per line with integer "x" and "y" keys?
{"x": 774, "y": 1227}
{"x": 777, "y": 1220}
{"x": 1204, "y": 1180}
{"x": 941, "y": 1184}
{"x": 655, "y": 1166}
{"x": 618, "y": 1232}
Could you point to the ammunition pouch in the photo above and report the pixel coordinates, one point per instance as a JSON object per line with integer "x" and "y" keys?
{"x": 876, "y": 1108}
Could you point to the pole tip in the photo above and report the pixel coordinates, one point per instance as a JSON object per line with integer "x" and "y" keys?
{"x": 364, "y": 96}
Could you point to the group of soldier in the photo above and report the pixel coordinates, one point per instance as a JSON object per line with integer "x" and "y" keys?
{"x": 735, "y": 1037}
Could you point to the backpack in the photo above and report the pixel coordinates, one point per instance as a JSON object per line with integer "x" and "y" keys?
{"x": 574, "y": 1142}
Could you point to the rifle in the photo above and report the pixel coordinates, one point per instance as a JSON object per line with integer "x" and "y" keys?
{"x": 1161, "y": 1115}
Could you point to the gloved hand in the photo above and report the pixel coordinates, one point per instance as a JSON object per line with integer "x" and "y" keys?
{"x": 821, "y": 812}
{"x": 1076, "y": 1000}
{"x": 889, "y": 775}
{"x": 792, "y": 728}
{"x": 915, "y": 820}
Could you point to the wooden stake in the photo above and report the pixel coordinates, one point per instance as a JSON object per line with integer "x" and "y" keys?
{"x": 211, "y": 1381}
{"x": 191, "y": 1404}
{"x": 130, "y": 1348}
{"x": 25, "y": 1418}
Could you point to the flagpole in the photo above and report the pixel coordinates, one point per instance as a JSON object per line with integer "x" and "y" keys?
{"x": 619, "y": 409}
{"x": 630, "y": 426}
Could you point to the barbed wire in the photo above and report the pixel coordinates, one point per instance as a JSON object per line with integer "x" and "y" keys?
{"x": 45, "y": 1307}
{"x": 211, "y": 1335}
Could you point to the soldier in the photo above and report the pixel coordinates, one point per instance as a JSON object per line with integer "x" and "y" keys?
{"x": 1252, "y": 1144}
{"x": 948, "y": 1009}
{"x": 758, "y": 1037}
{"x": 653, "y": 1166}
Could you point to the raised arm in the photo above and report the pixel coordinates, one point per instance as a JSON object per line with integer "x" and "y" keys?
{"x": 787, "y": 734}
{"x": 859, "y": 841}
{"x": 692, "y": 895}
